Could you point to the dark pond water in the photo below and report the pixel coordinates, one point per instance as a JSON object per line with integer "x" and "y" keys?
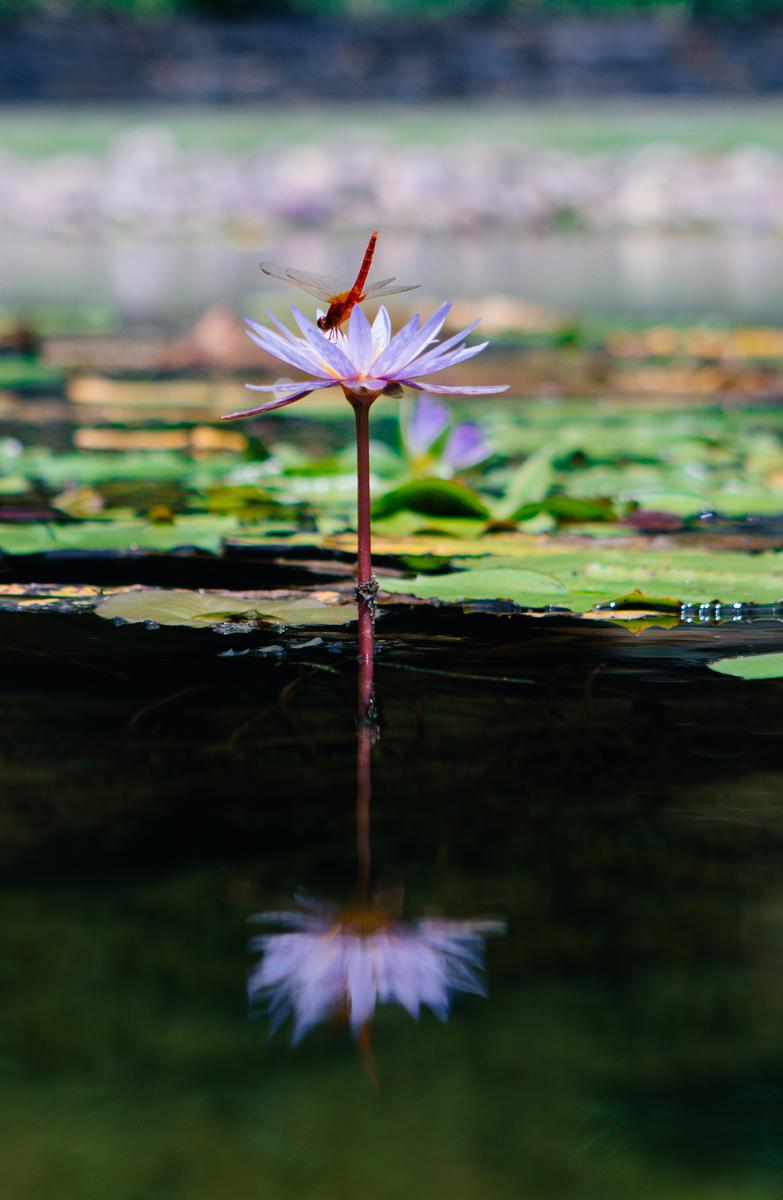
{"x": 622, "y": 820}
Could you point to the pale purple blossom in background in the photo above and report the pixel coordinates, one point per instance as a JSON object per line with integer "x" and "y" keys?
{"x": 429, "y": 418}
{"x": 325, "y": 962}
{"x": 367, "y": 360}
{"x": 465, "y": 446}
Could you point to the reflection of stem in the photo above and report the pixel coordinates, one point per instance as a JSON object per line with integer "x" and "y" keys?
{"x": 367, "y": 1056}
{"x": 364, "y": 744}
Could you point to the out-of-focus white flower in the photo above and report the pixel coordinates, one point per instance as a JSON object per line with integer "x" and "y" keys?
{"x": 327, "y": 961}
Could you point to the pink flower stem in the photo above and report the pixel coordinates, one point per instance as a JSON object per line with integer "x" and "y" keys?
{"x": 366, "y": 586}
{"x": 366, "y": 591}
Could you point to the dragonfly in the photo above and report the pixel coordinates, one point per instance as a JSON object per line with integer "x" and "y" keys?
{"x": 341, "y": 299}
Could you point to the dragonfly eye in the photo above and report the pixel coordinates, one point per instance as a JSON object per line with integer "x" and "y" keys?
{"x": 321, "y": 322}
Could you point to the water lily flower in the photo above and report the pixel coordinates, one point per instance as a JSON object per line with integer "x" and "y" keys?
{"x": 366, "y": 361}
{"x": 326, "y": 961}
{"x": 465, "y": 446}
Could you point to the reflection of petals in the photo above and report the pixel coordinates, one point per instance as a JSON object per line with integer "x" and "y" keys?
{"x": 350, "y": 961}
{"x": 466, "y": 446}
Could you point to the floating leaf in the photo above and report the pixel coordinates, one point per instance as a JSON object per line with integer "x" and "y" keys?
{"x": 243, "y": 500}
{"x": 13, "y": 485}
{"x": 529, "y": 484}
{"x": 27, "y": 372}
{"x": 505, "y": 583}
{"x": 432, "y": 497}
{"x": 750, "y": 666}
{"x": 417, "y": 525}
{"x": 200, "y": 609}
{"x": 581, "y": 579}
{"x": 572, "y": 509}
{"x": 203, "y": 532}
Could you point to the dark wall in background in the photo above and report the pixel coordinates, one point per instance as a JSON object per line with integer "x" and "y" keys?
{"x": 289, "y": 59}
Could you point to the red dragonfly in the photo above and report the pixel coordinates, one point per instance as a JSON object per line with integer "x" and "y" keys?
{"x": 341, "y": 300}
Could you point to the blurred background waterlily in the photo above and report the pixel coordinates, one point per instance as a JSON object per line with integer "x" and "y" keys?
{"x": 434, "y": 445}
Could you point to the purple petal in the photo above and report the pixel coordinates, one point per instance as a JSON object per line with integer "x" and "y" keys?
{"x": 404, "y": 978}
{"x": 451, "y": 358}
{"x": 466, "y": 446}
{"x": 300, "y": 390}
{"x": 443, "y": 347}
{"x": 360, "y": 345}
{"x": 296, "y": 356}
{"x": 442, "y": 390}
{"x": 326, "y": 349}
{"x": 427, "y": 422}
{"x": 287, "y": 334}
{"x": 428, "y": 333}
{"x": 287, "y": 387}
{"x": 261, "y": 408}
{"x": 381, "y": 330}
{"x": 364, "y": 386}
{"x": 360, "y": 984}
{"x": 397, "y": 346}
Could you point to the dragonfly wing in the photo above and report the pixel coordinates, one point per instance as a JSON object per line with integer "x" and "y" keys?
{"x": 371, "y": 288}
{"x": 382, "y": 288}
{"x": 320, "y": 286}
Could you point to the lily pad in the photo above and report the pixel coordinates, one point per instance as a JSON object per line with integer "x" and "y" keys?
{"x": 432, "y": 497}
{"x": 200, "y": 609}
{"x": 581, "y": 579}
{"x": 750, "y": 666}
{"x": 26, "y": 372}
{"x": 204, "y": 532}
{"x": 503, "y": 583}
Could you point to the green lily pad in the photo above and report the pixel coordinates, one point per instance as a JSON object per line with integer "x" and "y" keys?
{"x": 204, "y": 532}
{"x": 573, "y": 509}
{"x": 530, "y": 483}
{"x": 750, "y": 666}
{"x": 581, "y": 579}
{"x": 411, "y": 525}
{"x": 18, "y": 372}
{"x": 433, "y": 498}
{"x": 201, "y": 609}
{"x": 503, "y": 583}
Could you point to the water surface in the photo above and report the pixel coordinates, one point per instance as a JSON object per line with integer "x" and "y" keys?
{"x": 642, "y": 275}
{"x": 624, "y": 826}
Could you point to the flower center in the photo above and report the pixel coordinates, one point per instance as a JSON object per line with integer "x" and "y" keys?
{"x": 362, "y": 920}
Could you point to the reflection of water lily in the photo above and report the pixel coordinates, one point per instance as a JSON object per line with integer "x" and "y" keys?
{"x": 327, "y": 961}
{"x": 365, "y": 361}
{"x": 465, "y": 446}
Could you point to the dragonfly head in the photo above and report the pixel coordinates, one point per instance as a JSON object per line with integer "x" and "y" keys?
{"x": 321, "y": 322}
